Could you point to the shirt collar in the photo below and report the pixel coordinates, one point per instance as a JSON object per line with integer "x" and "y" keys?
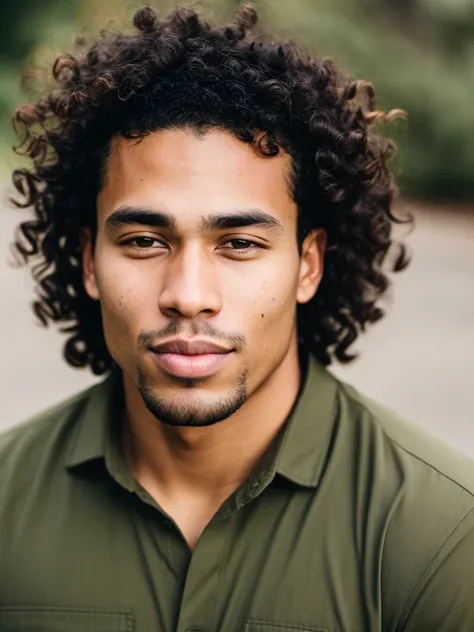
{"x": 302, "y": 451}
{"x": 298, "y": 454}
{"x": 101, "y": 410}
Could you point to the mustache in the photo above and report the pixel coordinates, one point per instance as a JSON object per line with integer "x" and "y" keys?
{"x": 175, "y": 327}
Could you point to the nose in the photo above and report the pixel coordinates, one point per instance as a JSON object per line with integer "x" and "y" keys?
{"x": 190, "y": 285}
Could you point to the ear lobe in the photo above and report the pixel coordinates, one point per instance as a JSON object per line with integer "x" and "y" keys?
{"x": 88, "y": 271}
{"x": 311, "y": 265}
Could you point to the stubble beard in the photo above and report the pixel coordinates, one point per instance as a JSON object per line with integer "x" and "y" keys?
{"x": 195, "y": 414}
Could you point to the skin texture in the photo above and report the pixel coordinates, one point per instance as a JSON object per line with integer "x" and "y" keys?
{"x": 194, "y": 281}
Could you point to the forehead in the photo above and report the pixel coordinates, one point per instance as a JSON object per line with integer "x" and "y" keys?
{"x": 189, "y": 175}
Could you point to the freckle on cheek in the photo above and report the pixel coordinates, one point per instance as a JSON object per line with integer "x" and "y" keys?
{"x": 262, "y": 315}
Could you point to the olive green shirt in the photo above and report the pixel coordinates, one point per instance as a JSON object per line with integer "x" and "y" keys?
{"x": 354, "y": 522}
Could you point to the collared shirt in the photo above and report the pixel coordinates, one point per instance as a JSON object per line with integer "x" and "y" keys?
{"x": 354, "y": 522}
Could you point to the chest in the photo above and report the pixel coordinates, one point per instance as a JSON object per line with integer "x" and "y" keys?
{"x": 277, "y": 564}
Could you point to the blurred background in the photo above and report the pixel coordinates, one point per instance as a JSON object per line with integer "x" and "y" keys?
{"x": 420, "y": 56}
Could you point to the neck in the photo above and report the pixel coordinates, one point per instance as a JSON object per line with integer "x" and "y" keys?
{"x": 210, "y": 461}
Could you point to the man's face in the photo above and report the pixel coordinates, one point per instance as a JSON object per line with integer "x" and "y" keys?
{"x": 197, "y": 270}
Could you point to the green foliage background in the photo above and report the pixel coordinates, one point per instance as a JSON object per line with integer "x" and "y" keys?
{"x": 418, "y": 53}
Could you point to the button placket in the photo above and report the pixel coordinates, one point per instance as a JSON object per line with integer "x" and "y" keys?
{"x": 200, "y": 598}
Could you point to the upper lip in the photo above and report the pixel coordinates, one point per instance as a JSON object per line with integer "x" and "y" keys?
{"x": 189, "y": 347}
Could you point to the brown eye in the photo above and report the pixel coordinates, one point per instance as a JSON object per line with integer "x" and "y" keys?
{"x": 143, "y": 242}
{"x": 240, "y": 244}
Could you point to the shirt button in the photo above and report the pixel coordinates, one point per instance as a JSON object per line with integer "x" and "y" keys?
{"x": 251, "y": 491}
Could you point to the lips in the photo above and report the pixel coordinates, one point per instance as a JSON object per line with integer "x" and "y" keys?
{"x": 190, "y": 347}
{"x": 190, "y": 359}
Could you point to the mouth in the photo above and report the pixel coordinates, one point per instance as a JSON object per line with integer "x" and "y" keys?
{"x": 190, "y": 359}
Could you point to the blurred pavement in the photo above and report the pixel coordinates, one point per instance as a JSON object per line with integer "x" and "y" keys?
{"x": 419, "y": 360}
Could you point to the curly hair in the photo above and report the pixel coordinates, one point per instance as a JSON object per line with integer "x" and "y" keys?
{"x": 183, "y": 71}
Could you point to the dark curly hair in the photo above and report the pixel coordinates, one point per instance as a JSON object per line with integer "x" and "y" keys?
{"x": 182, "y": 71}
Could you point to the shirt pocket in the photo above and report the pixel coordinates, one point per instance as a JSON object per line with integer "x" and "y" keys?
{"x": 253, "y": 625}
{"x": 49, "y": 619}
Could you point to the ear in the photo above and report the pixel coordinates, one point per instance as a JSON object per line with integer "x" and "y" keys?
{"x": 311, "y": 265}
{"x": 88, "y": 271}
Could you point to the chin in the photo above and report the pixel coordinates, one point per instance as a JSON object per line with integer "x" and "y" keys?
{"x": 187, "y": 406}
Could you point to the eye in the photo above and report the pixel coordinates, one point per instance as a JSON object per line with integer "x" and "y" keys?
{"x": 240, "y": 248}
{"x": 241, "y": 244}
{"x": 143, "y": 242}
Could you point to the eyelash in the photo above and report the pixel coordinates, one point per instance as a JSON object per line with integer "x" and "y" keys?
{"x": 251, "y": 244}
{"x": 129, "y": 242}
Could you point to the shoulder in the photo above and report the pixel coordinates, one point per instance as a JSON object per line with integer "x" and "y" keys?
{"x": 38, "y": 441}
{"x": 416, "y": 451}
{"x": 43, "y": 423}
{"x": 430, "y": 525}
{"x": 434, "y": 482}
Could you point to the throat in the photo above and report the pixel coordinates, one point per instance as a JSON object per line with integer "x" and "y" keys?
{"x": 190, "y": 511}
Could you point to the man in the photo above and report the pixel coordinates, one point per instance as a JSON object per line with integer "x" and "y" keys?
{"x": 212, "y": 212}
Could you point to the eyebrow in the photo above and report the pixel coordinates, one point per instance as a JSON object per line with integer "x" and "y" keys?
{"x": 128, "y": 215}
{"x": 241, "y": 219}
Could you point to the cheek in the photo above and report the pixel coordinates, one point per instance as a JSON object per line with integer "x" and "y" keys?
{"x": 268, "y": 301}
{"x": 125, "y": 296}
